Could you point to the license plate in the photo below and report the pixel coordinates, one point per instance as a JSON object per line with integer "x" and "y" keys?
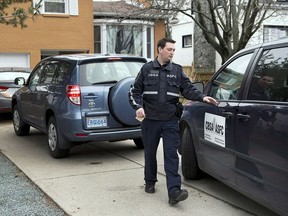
{"x": 98, "y": 121}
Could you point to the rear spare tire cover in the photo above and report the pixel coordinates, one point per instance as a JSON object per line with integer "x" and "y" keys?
{"x": 119, "y": 102}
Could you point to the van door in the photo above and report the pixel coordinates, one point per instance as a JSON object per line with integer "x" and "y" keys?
{"x": 225, "y": 87}
{"x": 261, "y": 138}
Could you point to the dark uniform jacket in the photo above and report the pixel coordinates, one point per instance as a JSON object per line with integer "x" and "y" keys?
{"x": 157, "y": 89}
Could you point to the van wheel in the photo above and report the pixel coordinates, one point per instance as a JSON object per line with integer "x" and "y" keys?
{"x": 139, "y": 143}
{"x": 20, "y": 127}
{"x": 54, "y": 140}
{"x": 189, "y": 163}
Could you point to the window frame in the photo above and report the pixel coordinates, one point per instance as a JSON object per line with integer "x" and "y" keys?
{"x": 232, "y": 92}
{"x": 66, "y": 2}
{"x": 268, "y": 32}
{"x": 147, "y": 43}
{"x": 279, "y": 88}
{"x": 184, "y": 41}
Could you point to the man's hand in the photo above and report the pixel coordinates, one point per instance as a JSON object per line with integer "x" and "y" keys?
{"x": 210, "y": 100}
{"x": 140, "y": 113}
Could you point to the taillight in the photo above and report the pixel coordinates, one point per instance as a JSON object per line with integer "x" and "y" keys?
{"x": 74, "y": 94}
{"x": 3, "y": 88}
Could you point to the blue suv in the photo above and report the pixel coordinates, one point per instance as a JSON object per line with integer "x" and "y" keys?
{"x": 78, "y": 98}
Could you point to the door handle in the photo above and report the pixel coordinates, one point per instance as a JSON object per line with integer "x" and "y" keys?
{"x": 90, "y": 96}
{"x": 243, "y": 117}
{"x": 227, "y": 115}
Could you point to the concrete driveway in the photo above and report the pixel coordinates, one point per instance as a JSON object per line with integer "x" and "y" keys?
{"x": 107, "y": 179}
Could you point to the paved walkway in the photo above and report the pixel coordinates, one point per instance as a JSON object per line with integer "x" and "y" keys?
{"x": 104, "y": 179}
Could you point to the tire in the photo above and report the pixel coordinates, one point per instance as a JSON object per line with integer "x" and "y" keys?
{"x": 189, "y": 163}
{"x": 20, "y": 127}
{"x": 55, "y": 140}
{"x": 119, "y": 103}
{"x": 139, "y": 143}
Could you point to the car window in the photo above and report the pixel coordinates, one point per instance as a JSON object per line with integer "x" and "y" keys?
{"x": 226, "y": 85}
{"x": 270, "y": 78}
{"x": 34, "y": 79}
{"x": 108, "y": 71}
{"x": 48, "y": 72}
{"x": 61, "y": 72}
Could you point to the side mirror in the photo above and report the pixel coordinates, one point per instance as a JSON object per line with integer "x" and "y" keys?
{"x": 19, "y": 81}
{"x": 199, "y": 86}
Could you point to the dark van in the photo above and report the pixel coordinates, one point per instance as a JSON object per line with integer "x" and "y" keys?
{"x": 243, "y": 141}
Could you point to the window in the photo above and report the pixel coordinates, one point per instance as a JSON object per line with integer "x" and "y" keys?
{"x": 34, "y": 78}
{"x": 48, "y": 72}
{"x": 55, "y": 6}
{"x": 61, "y": 73}
{"x": 97, "y": 39}
{"x": 227, "y": 83}
{"x": 124, "y": 39}
{"x": 275, "y": 32}
{"x": 186, "y": 41}
{"x": 270, "y": 78}
{"x": 132, "y": 39}
{"x": 58, "y": 6}
{"x": 149, "y": 42}
{"x": 109, "y": 71}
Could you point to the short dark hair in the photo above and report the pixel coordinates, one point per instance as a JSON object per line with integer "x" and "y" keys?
{"x": 162, "y": 42}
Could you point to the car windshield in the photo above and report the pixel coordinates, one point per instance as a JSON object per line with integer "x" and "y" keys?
{"x": 108, "y": 71}
{"x": 8, "y": 76}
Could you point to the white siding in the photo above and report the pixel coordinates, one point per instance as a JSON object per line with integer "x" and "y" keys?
{"x": 183, "y": 56}
{"x": 279, "y": 20}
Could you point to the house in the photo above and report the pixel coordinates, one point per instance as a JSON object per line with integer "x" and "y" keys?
{"x": 74, "y": 26}
{"x": 62, "y": 27}
{"x": 120, "y": 27}
{"x": 202, "y": 58}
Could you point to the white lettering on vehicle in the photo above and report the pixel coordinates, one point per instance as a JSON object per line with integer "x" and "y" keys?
{"x": 214, "y": 129}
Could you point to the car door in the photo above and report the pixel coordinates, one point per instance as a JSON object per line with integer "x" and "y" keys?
{"x": 42, "y": 91}
{"x": 218, "y": 143}
{"x": 261, "y": 125}
{"x": 27, "y": 95}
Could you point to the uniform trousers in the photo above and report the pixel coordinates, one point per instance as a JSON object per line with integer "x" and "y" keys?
{"x": 152, "y": 131}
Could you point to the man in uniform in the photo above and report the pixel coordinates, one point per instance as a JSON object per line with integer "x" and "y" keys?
{"x": 155, "y": 97}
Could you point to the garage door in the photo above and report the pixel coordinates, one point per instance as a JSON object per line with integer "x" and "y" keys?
{"x": 15, "y": 60}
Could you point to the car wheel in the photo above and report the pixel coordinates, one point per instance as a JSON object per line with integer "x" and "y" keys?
{"x": 119, "y": 103}
{"x": 55, "y": 139}
{"x": 190, "y": 169}
{"x": 139, "y": 143}
{"x": 20, "y": 127}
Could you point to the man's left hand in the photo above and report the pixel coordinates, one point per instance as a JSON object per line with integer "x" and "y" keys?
{"x": 210, "y": 100}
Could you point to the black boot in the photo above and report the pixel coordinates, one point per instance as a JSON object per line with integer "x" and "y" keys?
{"x": 150, "y": 188}
{"x": 177, "y": 196}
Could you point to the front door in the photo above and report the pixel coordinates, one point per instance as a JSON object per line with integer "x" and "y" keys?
{"x": 225, "y": 87}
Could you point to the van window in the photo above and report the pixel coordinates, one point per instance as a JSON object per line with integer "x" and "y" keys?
{"x": 226, "y": 85}
{"x": 270, "y": 78}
